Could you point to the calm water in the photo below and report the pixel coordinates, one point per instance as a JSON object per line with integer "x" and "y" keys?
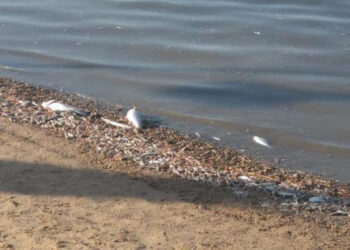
{"x": 226, "y": 68}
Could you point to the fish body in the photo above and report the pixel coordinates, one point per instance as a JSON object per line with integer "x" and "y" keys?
{"x": 57, "y": 106}
{"x": 134, "y": 117}
{"x": 261, "y": 141}
{"x": 116, "y": 124}
{"x": 245, "y": 178}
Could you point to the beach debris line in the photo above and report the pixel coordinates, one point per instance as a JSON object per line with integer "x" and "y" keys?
{"x": 116, "y": 124}
{"x": 166, "y": 151}
{"x": 60, "y": 107}
{"x": 261, "y": 141}
{"x": 134, "y": 117}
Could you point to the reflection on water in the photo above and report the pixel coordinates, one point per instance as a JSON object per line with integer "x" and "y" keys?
{"x": 230, "y": 69}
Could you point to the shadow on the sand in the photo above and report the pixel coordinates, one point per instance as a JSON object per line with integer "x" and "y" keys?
{"x": 52, "y": 180}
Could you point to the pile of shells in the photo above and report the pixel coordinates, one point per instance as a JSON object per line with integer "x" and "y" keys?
{"x": 163, "y": 150}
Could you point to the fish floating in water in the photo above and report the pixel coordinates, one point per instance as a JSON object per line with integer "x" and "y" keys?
{"x": 261, "y": 141}
{"x": 134, "y": 117}
{"x": 57, "y": 106}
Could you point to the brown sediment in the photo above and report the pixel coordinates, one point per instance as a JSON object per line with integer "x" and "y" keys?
{"x": 53, "y": 197}
{"x": 169, "y": 152}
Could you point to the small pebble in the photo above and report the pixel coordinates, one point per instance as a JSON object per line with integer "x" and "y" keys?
{"x": 287, "y": 195}
{"x": 317, "y": 199}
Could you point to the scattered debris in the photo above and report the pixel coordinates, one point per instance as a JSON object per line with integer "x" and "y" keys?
{"x": 167, "y": 151}
{"x": 24, "y": 103}
{"x": 241, "y": 194}
{"x": 261, "y": 141}
{"x": 68, "y": 135}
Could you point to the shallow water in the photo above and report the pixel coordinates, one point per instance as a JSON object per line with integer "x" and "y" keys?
{"x": 229, "y": 69}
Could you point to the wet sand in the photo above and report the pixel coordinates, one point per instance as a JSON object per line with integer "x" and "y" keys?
{"x": 54, "y": 196}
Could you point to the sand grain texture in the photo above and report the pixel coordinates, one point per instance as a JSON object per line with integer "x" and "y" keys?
{"x": 51, "y": 198}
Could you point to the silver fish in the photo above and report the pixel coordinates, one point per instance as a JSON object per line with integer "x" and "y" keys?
{"x": 57, "y": 106}
{"x": 261, "y": 141}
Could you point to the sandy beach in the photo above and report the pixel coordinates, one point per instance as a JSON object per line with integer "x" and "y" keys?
{"x": 60, "y": 189}
{"x": 53, "y": 197}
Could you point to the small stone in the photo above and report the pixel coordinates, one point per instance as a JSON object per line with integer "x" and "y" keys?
{"x": 240, "y": 193}
{"x": 317, "y": 199}
{"x": 68, "y": 135}
{"x": 347, "y": 203}
{"x": 270, "y": 187}
{"x": 286, "y": 194}
{"x": 24, "y": 103}
{"x": 265, "y": 204}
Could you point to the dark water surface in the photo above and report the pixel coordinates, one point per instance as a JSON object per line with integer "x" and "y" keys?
{"x": 225, "y": 68}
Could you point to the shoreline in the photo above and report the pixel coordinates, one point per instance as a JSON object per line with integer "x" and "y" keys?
{"x": 168, "y": 152}
{"x": 56, "y": 193}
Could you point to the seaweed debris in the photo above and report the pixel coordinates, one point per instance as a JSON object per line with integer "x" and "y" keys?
{"x": 164, "y": 150}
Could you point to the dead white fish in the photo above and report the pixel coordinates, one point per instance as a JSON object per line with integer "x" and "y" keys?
{"x": 245, "y": 178}
{"x": 117, "y": 124}
{"x": 340, "y": 213}
{"x": 216, "y": 138}
{"x": 134, "y": 117}
{"x": 57, "y": 106}
{"x": 261, "y": 141}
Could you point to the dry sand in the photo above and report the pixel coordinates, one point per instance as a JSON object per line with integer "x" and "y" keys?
{"x": 53, "y": 197}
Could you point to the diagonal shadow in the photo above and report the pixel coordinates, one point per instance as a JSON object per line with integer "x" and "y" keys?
{"x": 52, "y": 180}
